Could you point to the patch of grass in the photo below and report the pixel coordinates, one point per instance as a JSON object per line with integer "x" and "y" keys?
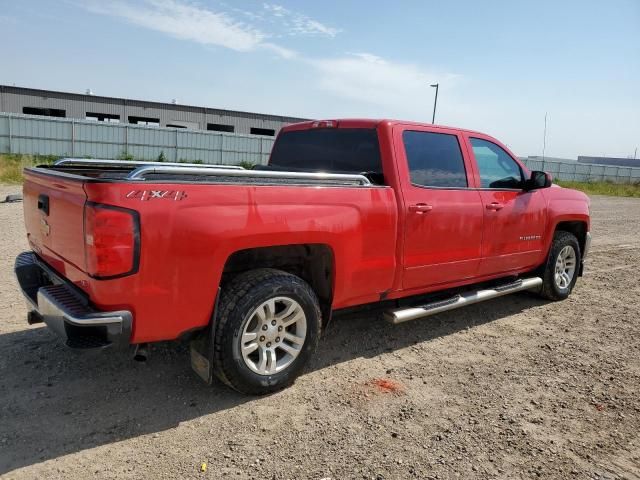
{"x": 604, "y": 188}
{"x": 11, "y": 165}
{"x": 247, "y": 165}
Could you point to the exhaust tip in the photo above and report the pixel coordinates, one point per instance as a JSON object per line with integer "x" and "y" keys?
{"x": 142, "y": 352}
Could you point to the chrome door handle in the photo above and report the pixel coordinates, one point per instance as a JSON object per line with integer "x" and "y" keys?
{"x": 420, "y": 208}
{"x": 495, "y": 206}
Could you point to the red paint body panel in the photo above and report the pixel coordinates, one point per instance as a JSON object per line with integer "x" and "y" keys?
{"x": 380, "y": 246}
{"x": 443, "y": 243}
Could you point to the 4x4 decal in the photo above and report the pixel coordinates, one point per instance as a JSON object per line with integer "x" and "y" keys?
{"x": 145, "y": 195}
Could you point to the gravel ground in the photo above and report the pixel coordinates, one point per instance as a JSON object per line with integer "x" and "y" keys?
{"x": 512, "y": 388}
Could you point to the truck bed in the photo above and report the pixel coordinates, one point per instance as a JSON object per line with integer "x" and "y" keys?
{"x": 113, "y": 170}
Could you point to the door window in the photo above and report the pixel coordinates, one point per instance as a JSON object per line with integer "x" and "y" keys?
{"x": 434, "y": 159}
{"x": 497, "y": 168}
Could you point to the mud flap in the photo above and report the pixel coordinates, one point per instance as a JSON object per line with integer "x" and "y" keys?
{"x": 201, "y": 349}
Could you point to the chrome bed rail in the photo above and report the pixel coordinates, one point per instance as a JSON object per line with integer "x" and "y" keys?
{"x": 133, "y": 163}
{"x": 348, "y": 179}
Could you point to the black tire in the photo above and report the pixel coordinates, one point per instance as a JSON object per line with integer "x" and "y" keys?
{"x": 238, "y": 301}
{"x": 550, "y": 289}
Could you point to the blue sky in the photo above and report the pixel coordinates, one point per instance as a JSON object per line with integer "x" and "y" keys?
{"x": 501, "y": 64}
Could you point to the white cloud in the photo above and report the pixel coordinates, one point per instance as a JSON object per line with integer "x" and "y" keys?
{"x": 189, "y": 21}
{"x": 281, "y": 51}
{"x": 296, "y": 23}
{"x": 393, "y": 88}
{"x": 371, "y": 85}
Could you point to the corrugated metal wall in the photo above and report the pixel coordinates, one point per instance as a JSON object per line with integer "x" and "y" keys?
{"x": 582, "y": 172}
{"x": 48, "y": 136}
{"x": 51, "y": 136}
{"x": 76, "y": 106}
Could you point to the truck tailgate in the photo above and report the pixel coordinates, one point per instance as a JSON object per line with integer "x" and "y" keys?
{"x": 54, "y": 218}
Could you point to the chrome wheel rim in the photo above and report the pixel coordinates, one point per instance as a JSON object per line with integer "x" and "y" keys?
{"x": 273, "y": 335}
{"x": 565, "y": 267}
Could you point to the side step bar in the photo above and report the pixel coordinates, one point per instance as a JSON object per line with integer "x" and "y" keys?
{"x": 400, "y": 315}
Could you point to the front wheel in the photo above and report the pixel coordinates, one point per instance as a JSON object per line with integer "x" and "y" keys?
{"x": 561, "y": 270}
{"x": 266, "y": 329}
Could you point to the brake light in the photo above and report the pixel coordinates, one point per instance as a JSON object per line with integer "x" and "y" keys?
{"x": 111, "y": 237}
{"x": 324, "y": 124}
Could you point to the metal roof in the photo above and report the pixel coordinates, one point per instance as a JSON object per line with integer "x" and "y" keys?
{"x": 142, "y": 103}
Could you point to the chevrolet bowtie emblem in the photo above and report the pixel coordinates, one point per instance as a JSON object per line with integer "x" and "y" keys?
{"x": 44, "y": 227}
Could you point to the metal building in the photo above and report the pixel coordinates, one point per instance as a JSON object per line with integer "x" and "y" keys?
{"x": 620, "y": 162}
{"x": 87, "y": 106}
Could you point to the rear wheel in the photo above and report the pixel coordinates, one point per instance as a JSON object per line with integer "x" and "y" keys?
{"x": 561, "y": 270}
{"x": 266, "y": 330}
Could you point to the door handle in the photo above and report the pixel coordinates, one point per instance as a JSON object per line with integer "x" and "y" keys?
{"x": 420, "y": 208}
{"x": 495, "y": 206}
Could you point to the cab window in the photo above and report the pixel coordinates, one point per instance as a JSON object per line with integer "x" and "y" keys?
{"x": 496, "y": 167}
{"x": 435, "y": 159}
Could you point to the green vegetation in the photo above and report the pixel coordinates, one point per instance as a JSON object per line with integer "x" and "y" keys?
{"x": 11, "y": 165}
{"x": 247, "y": 165}
{"x": 604, "y": 188}
{"x": 125, "y": 156}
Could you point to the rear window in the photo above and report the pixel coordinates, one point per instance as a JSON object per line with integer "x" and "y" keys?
{"x": 334, "y": 150}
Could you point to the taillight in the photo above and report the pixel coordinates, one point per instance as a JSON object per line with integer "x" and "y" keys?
{"x": 112, "y": 240}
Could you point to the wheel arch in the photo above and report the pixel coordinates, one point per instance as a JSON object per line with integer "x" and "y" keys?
{"x": 576, "y": 227}
{"x": 313, "y": 262}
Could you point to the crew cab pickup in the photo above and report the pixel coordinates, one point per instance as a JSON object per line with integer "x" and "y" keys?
{"x": 249, "y": 264}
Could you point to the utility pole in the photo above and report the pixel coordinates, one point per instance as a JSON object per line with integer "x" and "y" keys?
{"x": 544, "y": 137}
{"x": 435, "y": 102}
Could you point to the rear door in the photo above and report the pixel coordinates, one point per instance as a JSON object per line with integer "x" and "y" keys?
{"x": 514, "y": 219}
{"x": 443, "y": 215}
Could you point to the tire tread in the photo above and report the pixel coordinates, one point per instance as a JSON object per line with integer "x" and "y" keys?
{"x": 561, "y": 239}
{"x": 231, "y": 295}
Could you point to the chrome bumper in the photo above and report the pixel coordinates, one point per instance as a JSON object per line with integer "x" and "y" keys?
{"x": 66, "y": 310}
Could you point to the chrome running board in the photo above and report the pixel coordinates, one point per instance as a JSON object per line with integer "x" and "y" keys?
{"x": 400, "y": 315}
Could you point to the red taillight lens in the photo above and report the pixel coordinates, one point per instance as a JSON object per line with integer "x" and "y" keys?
{"x": 111, "y": 236}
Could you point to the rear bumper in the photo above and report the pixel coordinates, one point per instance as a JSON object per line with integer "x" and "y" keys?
{"x": 66, "y": 310}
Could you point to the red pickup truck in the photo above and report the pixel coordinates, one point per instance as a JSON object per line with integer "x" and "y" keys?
{"x": 250, "y": 264}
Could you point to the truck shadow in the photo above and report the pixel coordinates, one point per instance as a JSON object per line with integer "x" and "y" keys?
{"x": 54, "y": 402}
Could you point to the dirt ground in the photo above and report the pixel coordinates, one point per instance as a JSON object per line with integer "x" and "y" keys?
{"x": 512, "y": 388}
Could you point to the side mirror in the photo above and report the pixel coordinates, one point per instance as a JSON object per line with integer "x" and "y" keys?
{"x": 538, "y": 180}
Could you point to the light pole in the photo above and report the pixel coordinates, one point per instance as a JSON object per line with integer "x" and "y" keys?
{"x": 435, "y": 102}
{"x": 544, "y": 137}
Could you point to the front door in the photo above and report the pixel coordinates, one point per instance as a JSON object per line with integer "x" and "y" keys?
{"x": 443, "y": 216}
{"x": 514, "y": 219}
